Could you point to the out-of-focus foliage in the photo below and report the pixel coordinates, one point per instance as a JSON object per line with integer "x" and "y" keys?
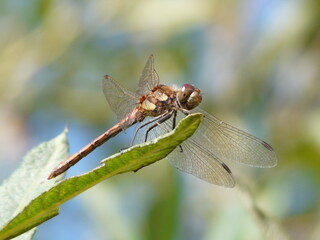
{"x": 257, "y": 63}
{"x": 26, "y": 183}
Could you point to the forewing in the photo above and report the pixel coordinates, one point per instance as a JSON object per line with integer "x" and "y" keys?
{"x": 229, "y": 143}
{"x": 149, "y": 78}
{"x": 120, "y": 100}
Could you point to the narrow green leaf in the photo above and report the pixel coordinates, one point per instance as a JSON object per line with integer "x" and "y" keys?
{"x": 28, "y": 181}
{"x": 132, "y": 159}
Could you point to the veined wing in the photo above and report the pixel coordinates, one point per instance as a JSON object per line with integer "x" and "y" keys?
{"x": 121, "y": 100}
{"x": 229, "y": 143}
{"x": 198, "y": 161}
{"x": 148, "y": 79}
{"x": 194, "y": 159}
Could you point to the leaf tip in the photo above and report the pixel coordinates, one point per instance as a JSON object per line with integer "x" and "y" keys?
{"x": 66, "y": 129}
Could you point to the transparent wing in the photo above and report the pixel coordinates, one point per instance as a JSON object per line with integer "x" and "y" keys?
{"x": 194, "y": 158}
{"x": 214, "y": 142}
{"x": 229, "y": 143}
{"x": 121, "y": 100}
{"x": 198, "y": 161}
{"x": 148, "y": 79}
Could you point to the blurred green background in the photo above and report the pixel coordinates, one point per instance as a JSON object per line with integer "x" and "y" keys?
{"x": 257, "y": 63}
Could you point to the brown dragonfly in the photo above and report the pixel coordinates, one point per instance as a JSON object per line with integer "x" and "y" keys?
{"x": 155, "y": 108}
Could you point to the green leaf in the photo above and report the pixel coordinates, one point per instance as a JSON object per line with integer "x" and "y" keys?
{"x": 46, "y": 205}
{"x": 28, "y": 181}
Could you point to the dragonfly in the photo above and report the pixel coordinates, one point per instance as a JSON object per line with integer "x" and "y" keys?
{"x": 155, "y": 108}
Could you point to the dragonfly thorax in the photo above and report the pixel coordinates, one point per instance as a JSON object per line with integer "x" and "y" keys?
{"x": 160, "y": 100}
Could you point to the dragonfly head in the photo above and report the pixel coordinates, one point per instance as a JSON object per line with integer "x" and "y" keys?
{"x": 189, "y": 96}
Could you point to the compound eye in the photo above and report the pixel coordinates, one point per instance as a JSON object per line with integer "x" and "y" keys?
{"x": 184, "y": 92}
{"x": 194, "y": 100}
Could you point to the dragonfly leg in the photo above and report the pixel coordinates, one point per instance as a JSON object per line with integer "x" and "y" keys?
{"x": 186, "y": 112}
{"x": 174, "y": 126}
{"x": 158, "y": 123}
{"x": 174, "y": 120}
{"x": 153, "y": 126}
{"x": 178, "y": 107}
{"x": 145, "y": 124}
